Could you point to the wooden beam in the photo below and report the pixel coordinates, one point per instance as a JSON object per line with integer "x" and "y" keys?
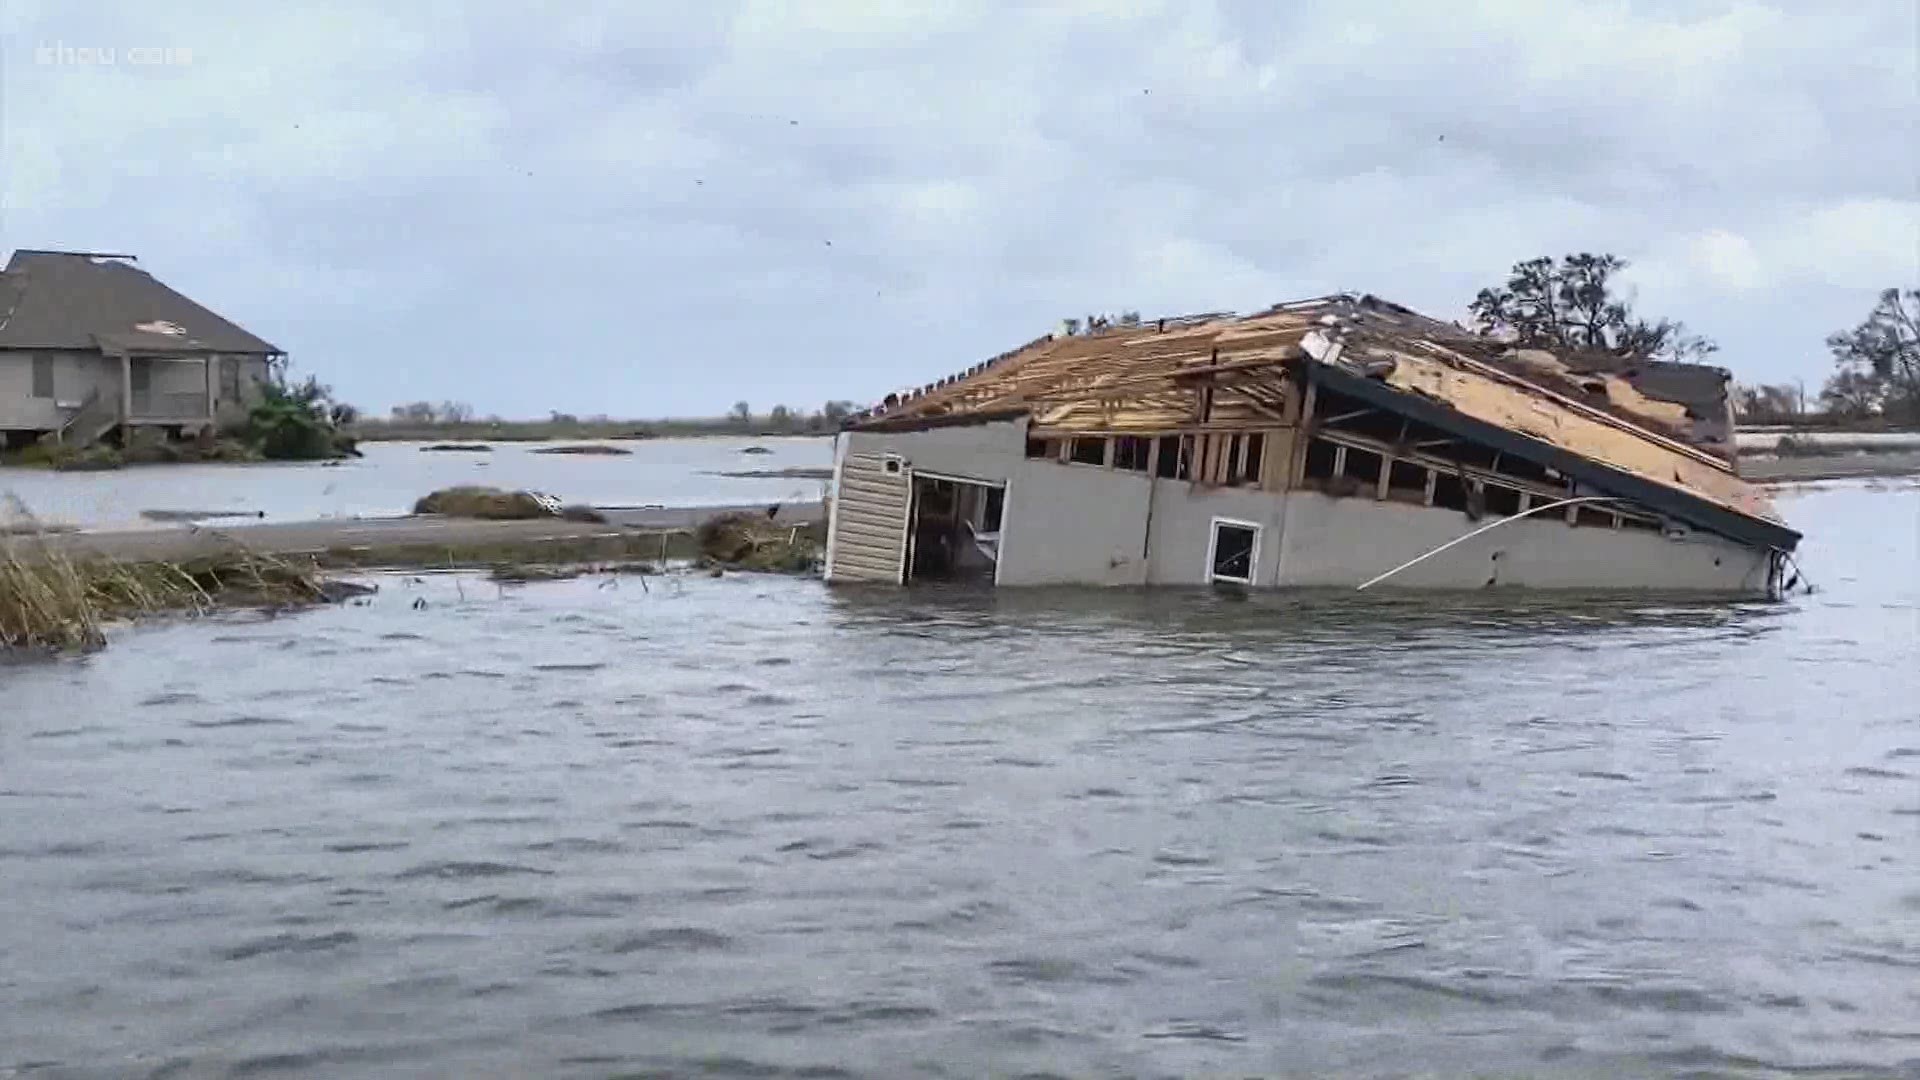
{"x": 1304, "y": 432}
{"x": 1345, "y": 416}
{"x": 1276, "y": 460}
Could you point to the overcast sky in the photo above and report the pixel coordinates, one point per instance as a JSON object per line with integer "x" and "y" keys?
{"x": 657, "y": 209}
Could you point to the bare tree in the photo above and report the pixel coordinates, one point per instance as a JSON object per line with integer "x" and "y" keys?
{"x": 741, "y": 413}
{"x": 418, "y": 412}
{"x": 1571, "y": 305}
{"x": 1766, "y": 404}
{"x": 1854, "y": 395}
{"x": 780, "y": 418}
{"x": 1883, "y": 352}
{"x": 455, "y": 412}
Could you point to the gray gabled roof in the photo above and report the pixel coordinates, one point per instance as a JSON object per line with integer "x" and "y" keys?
{"x": 72, "y": 300}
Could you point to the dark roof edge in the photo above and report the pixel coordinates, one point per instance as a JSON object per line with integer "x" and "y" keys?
{"x": 78, "y": 254}
{"x": 1680, "y": 505}
{"x": 94, "y": 349}
{"x": 922, "y": 423}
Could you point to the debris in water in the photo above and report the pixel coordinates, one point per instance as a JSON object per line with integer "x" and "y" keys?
{"x": 488, "y": 503}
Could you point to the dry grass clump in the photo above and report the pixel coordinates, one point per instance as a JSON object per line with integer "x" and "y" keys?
{"x": 755, "y": 542}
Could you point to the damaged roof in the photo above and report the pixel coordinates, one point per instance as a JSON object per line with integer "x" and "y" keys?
{"x": 76, "y": 300}
{"x": 1640, "y": 420}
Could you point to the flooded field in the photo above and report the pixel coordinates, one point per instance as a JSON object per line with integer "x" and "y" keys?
{"x": 749, "y": 827}
{"x": 670, "y": 472}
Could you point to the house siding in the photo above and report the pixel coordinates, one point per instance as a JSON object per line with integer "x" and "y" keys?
{"x": 75, "y": 375}
{"x": 78, "y": 373}
{"x": 19, "y": 409}
{"x": 254, "y": 373}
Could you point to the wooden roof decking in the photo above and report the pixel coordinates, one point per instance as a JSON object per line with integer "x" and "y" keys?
{"x": 1144, "y": 378}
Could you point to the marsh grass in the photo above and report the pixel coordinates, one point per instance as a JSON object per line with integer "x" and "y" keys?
{"x": 52, "y": 600}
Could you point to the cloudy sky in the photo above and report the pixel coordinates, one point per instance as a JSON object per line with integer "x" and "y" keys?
{"x": 640, "y": 209}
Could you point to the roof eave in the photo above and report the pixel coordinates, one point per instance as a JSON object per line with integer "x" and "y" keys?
{"x": 923, "y": 423}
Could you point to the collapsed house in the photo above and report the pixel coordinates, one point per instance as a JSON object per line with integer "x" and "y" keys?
{"x": 1330, "y": 442}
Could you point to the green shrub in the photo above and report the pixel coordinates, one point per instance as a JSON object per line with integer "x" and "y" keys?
{"x": 293, "y": 422}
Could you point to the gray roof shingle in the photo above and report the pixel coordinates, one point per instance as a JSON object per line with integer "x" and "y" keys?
{"x": 66, "y": 300}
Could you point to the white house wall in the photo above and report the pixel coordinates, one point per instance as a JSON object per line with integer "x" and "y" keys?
{"x": 1183, "y": 516}
{"x": 1074, "y": 524}
{"x": 1347, "y": 541}
{"x": 1081, "y": 524}
{"x": 983, "y": 451}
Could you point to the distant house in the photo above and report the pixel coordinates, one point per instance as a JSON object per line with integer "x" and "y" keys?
{"x": 1342, "y": 441}
{"x": 90, "y": 343}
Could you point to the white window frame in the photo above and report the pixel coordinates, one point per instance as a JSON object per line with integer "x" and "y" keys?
{"x": 1253, "y": 562}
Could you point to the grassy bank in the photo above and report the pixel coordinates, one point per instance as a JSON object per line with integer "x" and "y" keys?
{"x": 51, "y": 601}
{"x": 59, "y": 591}
{"x": 731, "y": 542}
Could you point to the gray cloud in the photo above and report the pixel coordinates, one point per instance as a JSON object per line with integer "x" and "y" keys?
{"x": 642, "y": 210}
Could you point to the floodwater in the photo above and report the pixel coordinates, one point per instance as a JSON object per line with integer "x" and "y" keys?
{"x": 385, "y": 483}
{"x": 751, "y": 827}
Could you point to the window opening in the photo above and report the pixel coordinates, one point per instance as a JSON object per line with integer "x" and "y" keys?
{"x": 1234, "y": 548}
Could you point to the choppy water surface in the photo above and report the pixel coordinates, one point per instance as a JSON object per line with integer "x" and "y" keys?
{"x": 385, "y": 483}
{"x": 750, "y": 827}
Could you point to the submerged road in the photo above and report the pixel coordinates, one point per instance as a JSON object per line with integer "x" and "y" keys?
{"x": 294, "y": 538}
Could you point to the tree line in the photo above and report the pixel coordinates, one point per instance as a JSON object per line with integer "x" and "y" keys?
{"x": 783, "y": 419}
{"x": 780, "y": 419}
